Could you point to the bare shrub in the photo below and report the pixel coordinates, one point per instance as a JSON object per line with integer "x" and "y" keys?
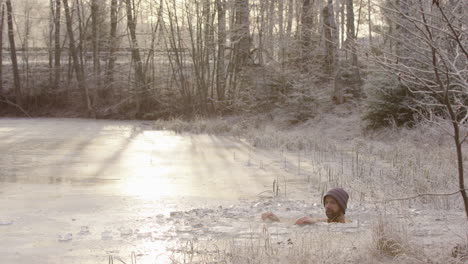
{"x": 388, "y": 239}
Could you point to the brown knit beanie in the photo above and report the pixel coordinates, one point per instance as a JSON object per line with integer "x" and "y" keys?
{"x": 340, "y": 195}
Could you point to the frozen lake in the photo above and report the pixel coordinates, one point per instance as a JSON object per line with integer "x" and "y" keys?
{"x": 79, "y": 191}
{"x": 76, "y": 191}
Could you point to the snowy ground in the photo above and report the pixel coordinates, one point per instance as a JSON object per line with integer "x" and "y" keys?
{"x": 78, "y": 191}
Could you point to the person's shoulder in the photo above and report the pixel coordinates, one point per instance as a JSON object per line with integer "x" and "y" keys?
{"x": 269, "y": 217}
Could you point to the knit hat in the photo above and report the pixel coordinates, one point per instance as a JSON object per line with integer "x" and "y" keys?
{"x": 340, "y": 195}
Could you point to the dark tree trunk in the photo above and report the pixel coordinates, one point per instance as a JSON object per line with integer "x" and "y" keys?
{"x": 2, "y": 22}
{"x": 51, "y": 45}
{"x": 242, "y": 32}
{"x": 306, "y": 34}
{"x": 290, "y": 18}
{"x": 142, "y": 97}
{"x": 351, "y": 41}
{"x": 113, "y": 43}
{"x": 329, "y": 30}
{"x": 58, "y": 48}
{"x": 220, "y": 71}
{"x": 95, "y": 40}
{"x": 14, "y": 60}
{"x": 76, "y": 63}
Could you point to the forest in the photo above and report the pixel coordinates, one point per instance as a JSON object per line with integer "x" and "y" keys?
{"x": 151, "y": 59}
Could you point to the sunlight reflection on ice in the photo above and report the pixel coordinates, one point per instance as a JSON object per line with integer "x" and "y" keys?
{"x": 149, "y": 179}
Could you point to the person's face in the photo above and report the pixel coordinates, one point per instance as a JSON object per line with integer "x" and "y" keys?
{"x": 332, "y": 208}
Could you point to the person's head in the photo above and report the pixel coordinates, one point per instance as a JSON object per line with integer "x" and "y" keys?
{"x": 335, "y": 202}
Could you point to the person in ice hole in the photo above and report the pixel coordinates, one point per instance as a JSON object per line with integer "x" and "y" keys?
{"x": 335, "y": 202}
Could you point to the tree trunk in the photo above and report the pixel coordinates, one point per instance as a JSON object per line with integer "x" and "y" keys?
{"x": 241, "y": 42}
{"x": 271, "y": 24}
{"x": 369, "y": 10}
{"x": 14, "y": 60}
{"x": 95, "y": 40}
{"x": 290, "y": 18}
{"x": 281, "y": 31}
{"x": 306, "y": 34}
{"x": 27, "y": 31}
{"x": 342, "y": 26}
{"x": 261, "y": 36}
{"x": 329, "y": 29}
{"x": 82, "y": 47}
{"x": 206, "y": 52}
{"x": 242, "y": 32}
{"x": 140, "y": 78}
{"x": 351, "y": 41}
{"x": 456, "y": 136}
{"x": 76, "y": 63}
{"x": 58, "y": 48}
{"x": 220, "y": 71}
{"x": 51, "y": 45}
{"x": 113, "y": 43}
{"x": 2, "y": 22}
{"x": 458, "y": 145}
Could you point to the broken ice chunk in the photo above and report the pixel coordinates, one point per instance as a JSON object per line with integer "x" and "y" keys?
{"x": 197, "y": 225}
{"x": 106, "y": 235}
{"x": 65, "y": 237}
{"x": 143, "y": 234}
{"x": 84, "y": 230}
{"x": 126, "y": 232}
{"x": 5, "y": 222}
{"x": 176, "y": 214}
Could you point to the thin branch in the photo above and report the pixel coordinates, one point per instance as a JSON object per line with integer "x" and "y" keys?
{"x": 5, "y": 100}
{"x": 420, "y": 195}
{"x": 457, "y": 35}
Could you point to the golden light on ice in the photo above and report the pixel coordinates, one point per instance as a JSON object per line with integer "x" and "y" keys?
{"x": 150, "y": 174}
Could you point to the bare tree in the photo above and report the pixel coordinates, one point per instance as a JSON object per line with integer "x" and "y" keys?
{"x": 176, "y": 55}
{"x": 306, "y": 33}
{"x": 2, "y": 26}
{"x": 95, "y": 22}
{"x": 240, "y": 37}
{"x": 241, "y": 33}
{"x": 57, "y": 45}
{"x": 290, "y": 17}
{"x": 51, "y": 42}
{"x": 369, "y": 11}
{"x": 142, "y": 98}
{"x": 14, "y": 60}
{"x": 112, "y": 42}
{"x": 25, "y": 45}
{"x": 271, "y": 24}
{"x": 80, "y": 78}
{"x": 431, "y": 63}
{"x": 261, "y": 29}
{"x": 330, "y": 38}
{"x": 220, "y": 68}
{"x": 351, "y": 43}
